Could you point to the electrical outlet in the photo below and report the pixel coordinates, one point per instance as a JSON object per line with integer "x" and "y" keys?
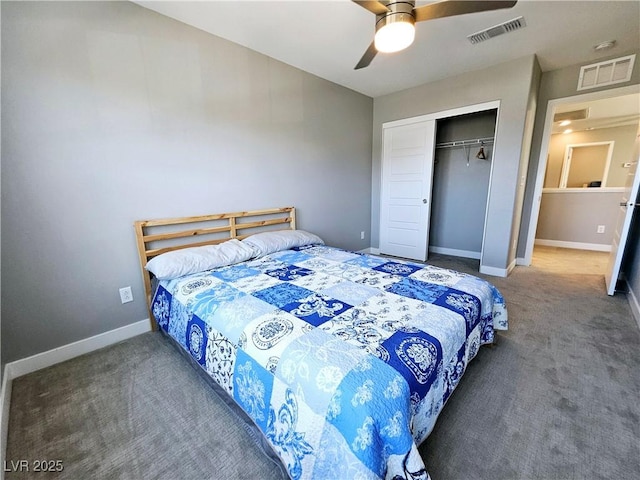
{"x": 600, "y": 229}
{"x": 361, "y": 235}
{"x": 126, "y": 295}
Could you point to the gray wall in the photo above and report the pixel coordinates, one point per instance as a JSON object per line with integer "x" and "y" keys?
{"x": 529, "y": 124}
{"x": 514, "y": 84}
{"x": 461, "y": 185}
{"x": 113, "y": 113}
{"x": 575, "y": 216}
{"x": 555, "y": 84}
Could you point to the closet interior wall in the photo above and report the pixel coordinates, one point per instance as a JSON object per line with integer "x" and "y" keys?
{"x": 461, "y": 184}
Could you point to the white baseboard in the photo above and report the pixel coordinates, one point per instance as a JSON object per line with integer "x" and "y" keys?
{"x": 75, "y": 349}
{"x": 598, "y": 247}
{"x": 522, "y": 261}
{"x": 512, "y": 265}
{"x": 455, "y": 252}
{"x": 498, "y": 272}
{"x": 634, "y": 304}
{"x": 51, "y": 357}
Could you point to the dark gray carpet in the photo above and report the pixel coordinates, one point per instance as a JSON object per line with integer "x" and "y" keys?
{"x": 135, "y": 410}
{"x": 557, "y": 398}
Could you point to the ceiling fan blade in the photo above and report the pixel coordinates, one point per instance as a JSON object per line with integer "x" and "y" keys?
{"x": 367, "y": 57}
{"x": 373, "y": 6}
{"x": 450, "y": 8}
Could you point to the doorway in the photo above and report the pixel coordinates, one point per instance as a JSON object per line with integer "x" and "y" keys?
{"x": 580, "y": 214}
{"x": 461, "y": 174}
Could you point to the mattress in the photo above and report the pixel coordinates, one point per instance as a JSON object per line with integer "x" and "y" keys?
{"x": 343, "y": 360}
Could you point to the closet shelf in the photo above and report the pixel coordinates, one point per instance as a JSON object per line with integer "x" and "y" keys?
{"x": 466, "y": 143}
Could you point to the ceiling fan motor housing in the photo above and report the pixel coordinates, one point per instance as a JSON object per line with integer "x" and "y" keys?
{"x": 398, "y": 12}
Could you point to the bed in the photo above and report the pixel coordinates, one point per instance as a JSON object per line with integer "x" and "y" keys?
{"x": 343, "y": 360}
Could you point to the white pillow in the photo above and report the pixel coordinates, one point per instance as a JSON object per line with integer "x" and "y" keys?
{"x": 178, "y": 263}
{"x": 270, "y": 242}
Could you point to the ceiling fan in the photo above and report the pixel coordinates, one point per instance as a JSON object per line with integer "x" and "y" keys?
{"x": 396, "y": 19}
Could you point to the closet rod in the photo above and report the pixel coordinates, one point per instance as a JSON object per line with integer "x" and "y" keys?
{"x": 465, "y": 143}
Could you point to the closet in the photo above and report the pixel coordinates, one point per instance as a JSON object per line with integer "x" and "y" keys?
{"x": 435, "y": 182}
{"x": 461, "y": 176}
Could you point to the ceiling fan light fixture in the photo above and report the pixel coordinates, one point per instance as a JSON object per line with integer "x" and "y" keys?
{"x": 396, "y": 19}
{"x": 395, "y": 32}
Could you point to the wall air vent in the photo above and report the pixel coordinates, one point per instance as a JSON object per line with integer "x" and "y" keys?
{"x": 506, "y": 27}
{"x": 606, "y": 73}
{"x": 572, "y": 115}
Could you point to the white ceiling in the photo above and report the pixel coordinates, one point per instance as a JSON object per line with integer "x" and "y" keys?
{"x": 327, "y": 38}
{"x": 604, "y": 113}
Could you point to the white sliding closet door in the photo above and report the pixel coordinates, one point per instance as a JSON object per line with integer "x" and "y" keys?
{"x": 407, "y": 175}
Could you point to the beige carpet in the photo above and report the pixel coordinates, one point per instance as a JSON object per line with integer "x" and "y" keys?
{"x": 567, "y": 260}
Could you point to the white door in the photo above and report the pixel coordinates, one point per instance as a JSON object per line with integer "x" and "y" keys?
{"x": 407, "y": 174}
{"x": 627, "y": 206}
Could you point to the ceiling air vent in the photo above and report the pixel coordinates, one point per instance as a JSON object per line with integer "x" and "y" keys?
{"x": 572, "y": 115}
{"x": 496, "y": 30}
{"x": 605, "y": 73}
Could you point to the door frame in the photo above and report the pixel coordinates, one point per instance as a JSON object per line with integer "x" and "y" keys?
{"x": 454, "y": 112}
{"x": 544, "y": 152}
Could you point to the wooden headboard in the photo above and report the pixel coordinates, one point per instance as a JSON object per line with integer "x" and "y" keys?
{"x": 154, "y": 237}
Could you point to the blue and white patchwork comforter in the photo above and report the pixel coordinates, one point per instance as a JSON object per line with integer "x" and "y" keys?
{"x": 343, "y": 360}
